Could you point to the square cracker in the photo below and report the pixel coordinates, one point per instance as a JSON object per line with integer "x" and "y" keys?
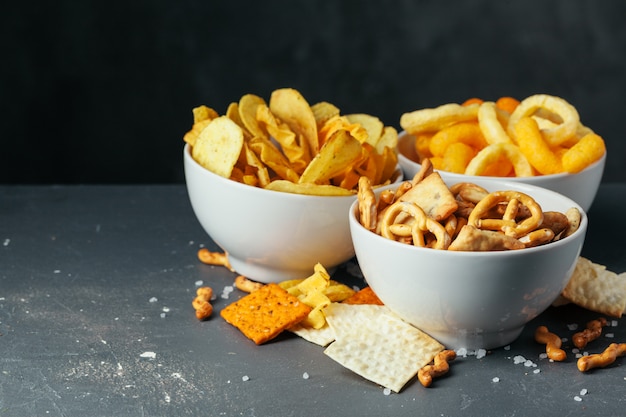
{"x": 265, "y": 313}
{"x": 364, "y": 296}
{"x": 595, "y": 288}
{"x": 433, "y": 196}
{"x": 379, "y": 346}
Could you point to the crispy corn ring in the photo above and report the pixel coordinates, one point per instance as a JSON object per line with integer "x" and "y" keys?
{"x": 508, "y": 224}
{"x": 588, "y": 150}
{"x": 535, "y": 148}
{"x": 415, "y": 229}
{"x": 492, "y": 153}
{"x": 508, "y": 104}
{"x": 433, "y": 119}
{"x": 457, "y": 156}
{"x": 553, "y": 105}
{"x": 490, "y": 126}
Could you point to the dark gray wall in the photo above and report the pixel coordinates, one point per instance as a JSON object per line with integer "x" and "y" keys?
{"x": 101, "y": 91}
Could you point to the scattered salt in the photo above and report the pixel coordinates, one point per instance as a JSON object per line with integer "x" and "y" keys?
{"x": 57, "y": 271}
{"x": 305, "y": 375}
{"x": 536, "y": 371}
{"x": 577, "y": 398}
{"x": 610, "y": 335}
{"x": 199, "y": 283}
{"x": 543, "y": 355}
{"x": 245, "y": 378}
{"x": 226, "y": 291}
{"x": 481, "y": 353}
{"x": 6, "y": 242}
{"x": 163, "y": 315}
{"x": 507, "y": 347}
{"x": 153, "y": 300}
{"x": 613, "y": 323}
{"x": 387, "y": 391}
{"x": 583, "y": 391}
{"x": 148, "y": 355}
{"x": 495, "y": 379}
{"x": 517, "y": 359}
{"x": 462, "y": 352}
{"x": 572, "y": 326}
{"x": 166, "y": 309}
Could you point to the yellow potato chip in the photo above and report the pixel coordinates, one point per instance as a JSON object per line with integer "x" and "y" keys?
{"x": 337, "y": 155}
{"x": 308, "y": 189}
{"x": 389, "y": 139}
{"x": 202, "y": 113}
{"x": 324, "y": 111}
{"x": 273, "y": 158}
{"x": 218, "y": 146}
{"x": 248, "y": 105}
{"x": 293, "y": 109}
{"x": 372, "y": 125}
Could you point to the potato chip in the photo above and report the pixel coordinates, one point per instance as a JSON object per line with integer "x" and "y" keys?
{"x": 203, "y": 112}
{"x": 388, "y": 139}
{"x": 273, "y": 158}
{"x": 218, "y": 146}
{"x": 377, "y": 345}
{"x": 324, "y": 111}
{"x": 595, "y": 288}
{"x": 265, "y": 313}
{"x": 308, "y": 189}
{"x": 372, "y": 124}
{"x": 337, "y": 155}
{"x": 293, "y": 109}
{"x": 248, "y": 105}
{"x": 252, "y": 160}
{"x": 192, "y": 135}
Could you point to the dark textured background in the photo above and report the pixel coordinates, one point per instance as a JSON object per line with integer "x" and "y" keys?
{"x": 102, "y": 92}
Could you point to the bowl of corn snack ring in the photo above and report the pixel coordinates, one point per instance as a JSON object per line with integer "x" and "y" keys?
{"x": 468, "y": 263}
{"x": 539, "y": 140}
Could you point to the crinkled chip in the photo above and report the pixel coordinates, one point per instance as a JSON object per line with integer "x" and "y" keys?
{"x": 265, "y": 313}
{"x": 218, "y": 146}
{"x": 595, "y": 288}
{"x": 377, "y": 345}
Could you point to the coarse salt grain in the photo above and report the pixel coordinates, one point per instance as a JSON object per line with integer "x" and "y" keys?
{"x": 495, "y": 379}
{"x": 461, "y": 352}
{"x": 583, "y": 391}
{"x": 148, "y": 355}
{"x": 536, "y": 371}
{"x": 507, "y": 347}
{"x": 199, "y": 283}
{"x": 613, "y": 323}
{"x": 517, "y": 359}
{"x": 577, "y": 398}
{"x": 572, "y": 326}
{"x": 153, "y": 300}
{"x": 166, "y": 309}
{"x": 481, "y": 353}
{"x": 610, "y": 335}
{"x": 305, "y": 375}
{"x": 245, "y": 378}
{"x": 387, "y": 391}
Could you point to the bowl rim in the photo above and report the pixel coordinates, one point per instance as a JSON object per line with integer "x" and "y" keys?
{"x": 582, "y": 229}
{"x": 188, "y": 159}
{"x": 537, "y": 178}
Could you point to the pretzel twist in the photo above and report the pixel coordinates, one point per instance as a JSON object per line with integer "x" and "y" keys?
{"x": 438, "y": 368}
{"x": 415, "y": 226}
{"x": 552, "y": 342}
{"x": 508, "y": 223}
{"x": 591, "y": 332}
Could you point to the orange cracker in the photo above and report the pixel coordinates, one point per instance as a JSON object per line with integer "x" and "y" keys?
{"x": 364, "y": 296}
{"x": 265, "y": 313}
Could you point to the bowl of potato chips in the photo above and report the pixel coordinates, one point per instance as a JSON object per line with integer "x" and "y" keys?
{"x": 468, "y": 263}
{"x": 539, "y": 140}
{"x": 272, "y": 182}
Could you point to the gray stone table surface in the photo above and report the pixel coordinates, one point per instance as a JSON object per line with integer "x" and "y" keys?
{"x": 96, "y": 284}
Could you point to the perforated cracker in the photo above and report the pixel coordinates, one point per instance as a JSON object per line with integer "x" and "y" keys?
{"x": 377, "y": 345}
{"x": 265, "y": 313}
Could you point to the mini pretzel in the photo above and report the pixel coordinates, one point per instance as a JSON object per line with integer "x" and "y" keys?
{"x": 439, "y": 367}
{"x": 537, "y": 237}
{"x": 415, "y": 227}
{"x": 202, "y": 303}
{"x": 467, "y": 191}
{"x": 246, "y": 285}
{"x": 214, "y": 258}
{"x": 603, "y": 359}
{"x": 552, "y": 342}
{"x": 508, "y": 224}
{"x": 367, "y": 203}
{"x": 591, "y": 332}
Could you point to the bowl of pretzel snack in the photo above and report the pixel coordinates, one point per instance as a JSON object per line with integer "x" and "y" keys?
{"x": 272, "y": 181}
{"x": 539, "y": 140}
{"x": 469, "y": 263}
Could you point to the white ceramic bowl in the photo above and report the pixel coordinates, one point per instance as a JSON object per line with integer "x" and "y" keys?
{"x": 470, "y": 299}
{"x": 581, "y": 187}
{"x": 269, "y": 236}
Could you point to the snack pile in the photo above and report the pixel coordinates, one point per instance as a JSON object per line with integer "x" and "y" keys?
{"x": 541, "y": 135}
{"x": 287, "y": 145}
{"x": 426, "y": 212}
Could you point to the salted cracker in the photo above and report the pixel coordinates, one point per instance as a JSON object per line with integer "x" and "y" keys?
{"x": 433, "y": 196}
{"x": 595, "y": 288}
{"x": 377, "y": 345}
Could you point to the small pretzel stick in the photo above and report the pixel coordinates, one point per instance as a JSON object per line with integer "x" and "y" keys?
{"x": 603, "y": 359}
{"x": 214, "y": 258}
{"x": 439, "y": 367}
{"x": 592, "y": 332}
{"x": 246, "y": 285}
{"x": 552, "y": 342}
